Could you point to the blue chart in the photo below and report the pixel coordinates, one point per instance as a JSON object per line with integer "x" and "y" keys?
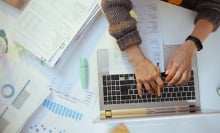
{"x": 62, "y": 110}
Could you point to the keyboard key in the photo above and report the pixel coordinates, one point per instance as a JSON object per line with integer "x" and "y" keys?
{"x": 131, "y": 92}
{"x": 191, "y": 88}
{"x": 134, "y": 97}
{"x": 124, "y": 90}
{"x": 118, "y": 98}
{"x": 126, "y": 97}
{"x": 105, "y": 92}
{"x": 114, "y": 77}
{"x": 126, "y": 82}
{"x": 105, "y": 98}
{"x": 189, "y": 94}
{"x": 190, "y": 83}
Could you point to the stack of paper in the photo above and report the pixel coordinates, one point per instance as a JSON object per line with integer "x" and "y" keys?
{"x": 47, "y": 27}
{"x": 21, "y": 93}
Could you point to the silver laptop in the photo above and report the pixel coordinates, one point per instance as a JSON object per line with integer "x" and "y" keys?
{"x": 118, "y": 93}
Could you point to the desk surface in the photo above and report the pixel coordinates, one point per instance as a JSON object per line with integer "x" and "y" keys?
{"x": 181, "y": 22}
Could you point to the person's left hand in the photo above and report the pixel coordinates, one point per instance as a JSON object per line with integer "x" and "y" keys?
{"x": 180, "y": 64}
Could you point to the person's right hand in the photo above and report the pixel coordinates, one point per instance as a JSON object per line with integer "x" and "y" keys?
{"x": 145, "y": 71}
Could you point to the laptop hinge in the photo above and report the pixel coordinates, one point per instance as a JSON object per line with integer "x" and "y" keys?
{"x": 108, "y": 113}
{"x": 192, "y": 108}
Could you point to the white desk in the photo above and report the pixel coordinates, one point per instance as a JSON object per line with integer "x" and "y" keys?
{"x": 179, "y": 23}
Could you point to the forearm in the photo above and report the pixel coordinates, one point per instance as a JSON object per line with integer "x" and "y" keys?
{"x": 134, "y": 54}
{"x": 202, "y": 29}
{"x": 209, "y": 10}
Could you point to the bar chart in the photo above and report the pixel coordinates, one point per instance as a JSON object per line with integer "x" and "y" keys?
{"x": 62, "y": 110}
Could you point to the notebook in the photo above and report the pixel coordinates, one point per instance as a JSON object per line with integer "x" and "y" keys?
{"x": 118, "y": 97}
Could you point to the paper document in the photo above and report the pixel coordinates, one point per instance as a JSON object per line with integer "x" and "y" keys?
{"x": 63, "y": 114}
{"x": 147, "y": 14}
{"x": 46, "y": 27}
{"x": 21, "y": 94}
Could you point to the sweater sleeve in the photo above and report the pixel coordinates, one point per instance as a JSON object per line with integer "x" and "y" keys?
{"x": 121, "y": 25}
{"x": 209, "y": 10}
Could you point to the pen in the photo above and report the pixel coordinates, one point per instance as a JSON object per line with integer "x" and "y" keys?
{"x": 158, "y": 87}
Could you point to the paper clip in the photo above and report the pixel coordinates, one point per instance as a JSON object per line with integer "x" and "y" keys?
{"x": 218, "y": 91}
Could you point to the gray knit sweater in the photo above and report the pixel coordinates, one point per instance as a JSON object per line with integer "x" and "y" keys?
{"x": 123, "y": 27}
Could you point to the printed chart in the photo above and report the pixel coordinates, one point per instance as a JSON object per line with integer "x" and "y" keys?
{"x": 60, "y": 114}
{"x": 62, "y": 110}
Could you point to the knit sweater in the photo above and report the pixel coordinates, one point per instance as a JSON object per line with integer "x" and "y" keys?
{"x": 123, "y": 26}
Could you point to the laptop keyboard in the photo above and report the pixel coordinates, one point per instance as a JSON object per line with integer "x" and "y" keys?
{"x": 121, "y": 89}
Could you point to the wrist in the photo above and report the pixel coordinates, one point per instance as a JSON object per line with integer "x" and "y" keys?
{"x": 195, "y": 41}
{"x": 191, "y": 46}
{"x": 134, "y": 54}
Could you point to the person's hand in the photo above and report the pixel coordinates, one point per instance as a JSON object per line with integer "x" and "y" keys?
{"x": 145, "y": 72}
{"x": 180, "y": 64}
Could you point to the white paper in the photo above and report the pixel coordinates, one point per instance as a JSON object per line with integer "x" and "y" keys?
{"x": 76, "y": 39}
{"x": 63, "y": 114}
{"x": 147, "y": 13}
{"x": 21, "y": 94}
{"x": 46, "y": 27}
{"x": 152, "y": 45}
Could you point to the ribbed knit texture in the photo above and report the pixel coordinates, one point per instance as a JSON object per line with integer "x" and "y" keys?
{"x": 209, "y": 10}
{"x": 123, "y": 27}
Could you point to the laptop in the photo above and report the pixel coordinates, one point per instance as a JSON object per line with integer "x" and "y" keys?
{"x": 118, "y": 97}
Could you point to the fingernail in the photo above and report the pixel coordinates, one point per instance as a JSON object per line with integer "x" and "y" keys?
{"x": 169, "y": 84}
{"x": 140, "y": 94}
{"x": 167, "y": 72}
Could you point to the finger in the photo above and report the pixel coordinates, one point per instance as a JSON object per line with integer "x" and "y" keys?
{"x": 171, "y": 72}
{"x": 159, "y": 85}
{"x": 148, "y": 88}
{"x": 159, "y": 82}
{"x": 175, "y": 79}
{"x": 153, "y": 86}
{"x": 151, "y": 92}
{"x": 139, "y": 88}
{"x": 155, "y": 81}
{"x": 184, "y": 78}
{"x": 189, "y": 75}
{"x": 169, "y": 66}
